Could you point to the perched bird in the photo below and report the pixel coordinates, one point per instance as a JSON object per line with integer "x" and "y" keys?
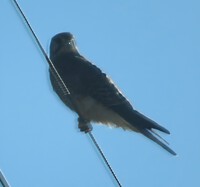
{"x": 94, "y": 96}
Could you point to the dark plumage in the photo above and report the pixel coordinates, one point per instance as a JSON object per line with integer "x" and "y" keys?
{"x": 96, "y": 96}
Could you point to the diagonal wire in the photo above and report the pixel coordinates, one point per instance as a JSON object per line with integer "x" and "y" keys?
{"x": 66, "y": 92}
{"x": 104, "y": 158}
{"x": 40, "y": 46}
{"x": 3, "y": 181}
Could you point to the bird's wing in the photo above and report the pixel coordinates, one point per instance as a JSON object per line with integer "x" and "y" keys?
{"x": 104, "y": 90}
{"x": 96, "y": 84}
{"x": 84, "y": 78}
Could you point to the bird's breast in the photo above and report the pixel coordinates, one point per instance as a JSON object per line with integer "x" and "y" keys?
{"x": 94, "y": 111}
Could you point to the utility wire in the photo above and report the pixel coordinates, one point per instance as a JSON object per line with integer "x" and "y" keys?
{"x": 66, "y": 92}
{"x": 3, "y": 181}
{"x": 104, "y": 158}
{"x": 39, "y": 45}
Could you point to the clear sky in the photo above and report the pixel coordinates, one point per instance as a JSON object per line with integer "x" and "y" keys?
{"x": 151, "y": 49}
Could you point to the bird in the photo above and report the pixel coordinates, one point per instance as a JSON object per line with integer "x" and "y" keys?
{"x": 93, "y": 95}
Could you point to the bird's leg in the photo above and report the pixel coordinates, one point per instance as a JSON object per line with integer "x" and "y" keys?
{"x": 84, "y": 125}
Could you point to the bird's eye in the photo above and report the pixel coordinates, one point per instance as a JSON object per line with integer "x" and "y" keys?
{"x": 70, "y": 43}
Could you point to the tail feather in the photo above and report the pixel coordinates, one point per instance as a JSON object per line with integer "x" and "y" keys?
{"x": 149, "y": 135}
{"x": 143, "y": 124}
{"x": 146, "y": 126}
{"x": 161, "y": 138}
{"x": 141, "y": 120}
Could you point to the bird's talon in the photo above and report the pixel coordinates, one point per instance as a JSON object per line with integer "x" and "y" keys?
{"x": 84, "y": 125}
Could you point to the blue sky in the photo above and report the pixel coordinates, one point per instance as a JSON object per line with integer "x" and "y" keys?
{"x": 151, "y": 49}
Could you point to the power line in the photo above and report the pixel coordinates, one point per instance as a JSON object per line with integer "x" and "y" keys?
{"x": 66, "y": 91}
{"x": 104, "y": 158}
{"x": 3, "y": 180}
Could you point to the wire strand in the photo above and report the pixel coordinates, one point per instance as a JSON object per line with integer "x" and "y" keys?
{"x": 40, "y": 46}
{"x": 104, "y": 158}
{"x": 3, "y": 181}
{"x": 67, "y": 92}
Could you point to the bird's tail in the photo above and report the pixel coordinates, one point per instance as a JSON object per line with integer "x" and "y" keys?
{"x": 145, "y": 126}
{"x": 149, "y": 134}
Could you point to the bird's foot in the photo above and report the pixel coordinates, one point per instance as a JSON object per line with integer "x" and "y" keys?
{"x": 84, "y": 125}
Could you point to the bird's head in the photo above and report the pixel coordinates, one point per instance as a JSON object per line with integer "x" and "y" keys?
{"x": 62, "y": 43}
